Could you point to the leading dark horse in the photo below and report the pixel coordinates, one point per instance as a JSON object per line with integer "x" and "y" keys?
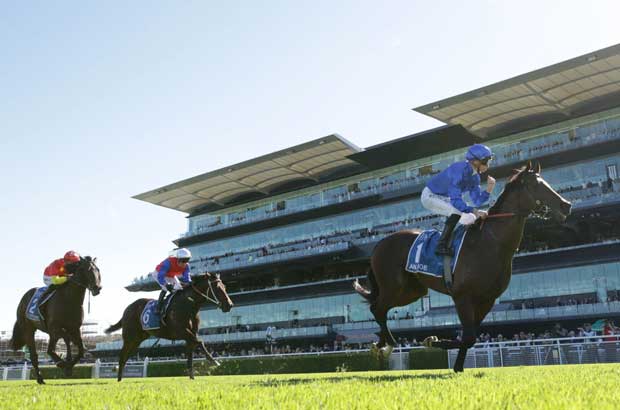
{"x": 181, "y": 319}
{"x": 484, "y": 266}
{"x": 63, "y": 317}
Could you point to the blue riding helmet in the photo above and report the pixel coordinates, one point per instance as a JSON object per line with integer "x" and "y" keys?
{"x": 479, "y": 152}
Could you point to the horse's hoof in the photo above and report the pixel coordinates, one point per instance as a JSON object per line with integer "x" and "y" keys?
{"x": 458, "y": 370}
{"x": 40, "y": 380}
{"x": 387, "y": 350}
{"x": 428, "y": 342}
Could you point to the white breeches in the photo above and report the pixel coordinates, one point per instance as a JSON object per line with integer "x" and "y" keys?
{"x": 441, "y": 205}
{"x": 174, "y": 281}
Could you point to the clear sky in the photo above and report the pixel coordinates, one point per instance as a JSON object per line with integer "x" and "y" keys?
{"x": 100, "y": 101}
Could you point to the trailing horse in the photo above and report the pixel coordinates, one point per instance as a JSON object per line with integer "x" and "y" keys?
{"x": 181, "y": 319}
{"x": 484, "y": 266}
{"x": 63, "y": 315}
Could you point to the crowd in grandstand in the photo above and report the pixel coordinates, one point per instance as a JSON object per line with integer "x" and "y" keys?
{"x": 515, "y": 152}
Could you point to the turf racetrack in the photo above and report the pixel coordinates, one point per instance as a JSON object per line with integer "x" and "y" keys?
{"x": 550, "y": 387}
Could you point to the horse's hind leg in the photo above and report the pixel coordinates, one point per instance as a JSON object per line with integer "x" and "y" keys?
{"x": 379, "y": 310}
{"x": 32, "y": 348}
{"x": 129, "y": 346}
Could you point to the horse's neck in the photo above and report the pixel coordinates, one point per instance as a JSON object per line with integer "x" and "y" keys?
{"x": 507, "y": 231}
{"x": 196, "y": 299}
{"x": 73, "y": 293}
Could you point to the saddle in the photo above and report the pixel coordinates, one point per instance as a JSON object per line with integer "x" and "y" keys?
{"x": 33, "y": 311}
{"x": 422, "y": 257}
{"x": 150, "y": 319}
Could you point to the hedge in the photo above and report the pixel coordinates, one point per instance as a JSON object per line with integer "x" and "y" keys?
{"x": 53, "y": 372}
{"x": 273, "y": 365}
{"x": 429, "y": 358}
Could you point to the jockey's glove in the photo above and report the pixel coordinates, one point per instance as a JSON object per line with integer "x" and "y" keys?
{"x": 58, "y": 280}
{"x": 169, "y": 287}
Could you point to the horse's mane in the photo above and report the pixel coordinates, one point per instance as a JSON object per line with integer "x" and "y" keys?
{"x": 510, "y": 186}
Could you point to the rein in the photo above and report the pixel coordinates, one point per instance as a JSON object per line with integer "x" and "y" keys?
{"x": 206, "y": 296}
{"x": 501, "y": 215}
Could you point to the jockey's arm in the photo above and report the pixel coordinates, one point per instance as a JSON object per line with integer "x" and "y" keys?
{"x": 456, "y": 199}
{"x": 478, "y": 196}
{"x": 161, "y": 274}
{"x": 185, "y": 278}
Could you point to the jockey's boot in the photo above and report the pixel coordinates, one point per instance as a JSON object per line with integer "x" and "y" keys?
{"x": 160, "y": 304}
{"x": 443, "y": 246}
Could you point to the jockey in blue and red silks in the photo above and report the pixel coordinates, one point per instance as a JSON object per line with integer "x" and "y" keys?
{"x": 57, "y": 272}
{"x": 444, "y": 192}
{"x": 167, "y": 272}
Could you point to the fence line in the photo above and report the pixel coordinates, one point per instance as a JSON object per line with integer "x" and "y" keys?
{"x": 582, "y": 350}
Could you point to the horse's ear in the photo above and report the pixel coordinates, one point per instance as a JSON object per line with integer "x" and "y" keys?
{"x": 528, "y": 166}
{"x": 94, "y": 259}
{"x": 538, "y": 167}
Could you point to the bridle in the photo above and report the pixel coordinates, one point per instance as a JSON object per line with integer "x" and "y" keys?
{"x": 540, "y": 211}
{"x": 213, "y": 299}
{"x": 72, "y": 278}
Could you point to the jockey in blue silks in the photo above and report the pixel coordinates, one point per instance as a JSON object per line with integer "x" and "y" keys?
{"x": 168, "y": 271}
{"x": 444, "y": 192}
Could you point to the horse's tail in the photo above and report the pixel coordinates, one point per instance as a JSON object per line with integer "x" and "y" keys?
{"x": 114, "y": 327}
{"x": 372, "y": 292}
{"x": 17, "y": 340}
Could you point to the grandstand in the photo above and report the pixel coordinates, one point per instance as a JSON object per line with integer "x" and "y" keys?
{"x": 288, "y": 231}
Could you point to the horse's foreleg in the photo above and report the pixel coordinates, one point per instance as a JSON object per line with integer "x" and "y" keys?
{"x": 51, "y": 351}
{"x": 467, "y": 314}
{"x": 69, "y": 355}
{"x": 200, "y": 343}
{"x": 75, "y": 338}
{"x": 190, "y": 346}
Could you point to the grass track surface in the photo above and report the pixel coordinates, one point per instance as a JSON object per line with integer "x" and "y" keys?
{"x": 540, "y": 388}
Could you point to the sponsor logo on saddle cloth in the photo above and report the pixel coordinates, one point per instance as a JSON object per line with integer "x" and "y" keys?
{"x": 150, "y": 318}
{"x": 32, "y": 311}
{"x": 422, "y": 257}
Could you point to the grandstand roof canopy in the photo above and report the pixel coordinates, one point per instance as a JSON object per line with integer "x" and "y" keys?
{"x": 306, "y": 164}
{"x": 565, "y": 90}
{"x": 423, "y": 144}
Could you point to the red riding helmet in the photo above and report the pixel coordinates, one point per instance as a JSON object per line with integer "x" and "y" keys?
{"x": 71, "y": 257}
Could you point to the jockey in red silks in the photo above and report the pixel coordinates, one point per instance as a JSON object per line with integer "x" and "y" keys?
{"x": 56, "y": 273}
{"x": 167, "y": 272}
{"x": 444, "y": 192}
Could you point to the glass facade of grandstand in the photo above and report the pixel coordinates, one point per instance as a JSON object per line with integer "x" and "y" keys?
{"x": 507, "y": 150}
{"x": 587, "y": 183}
{"x": 598, "y": 280}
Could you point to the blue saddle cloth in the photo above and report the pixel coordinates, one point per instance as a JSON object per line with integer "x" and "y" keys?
{"x": 150, "y": 317}
{"x": 422, "y": 257}
{"x": 32, "y": 311}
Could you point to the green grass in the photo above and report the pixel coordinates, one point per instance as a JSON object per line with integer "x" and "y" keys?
{"x": 540, "y": 388}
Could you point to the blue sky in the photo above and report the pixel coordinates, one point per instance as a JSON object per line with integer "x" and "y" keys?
{"x": 104, "y": 100}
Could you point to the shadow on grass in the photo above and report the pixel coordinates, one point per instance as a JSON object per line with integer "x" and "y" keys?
{"x": 52, "y": 383}
{"x": 344, "y": 378}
